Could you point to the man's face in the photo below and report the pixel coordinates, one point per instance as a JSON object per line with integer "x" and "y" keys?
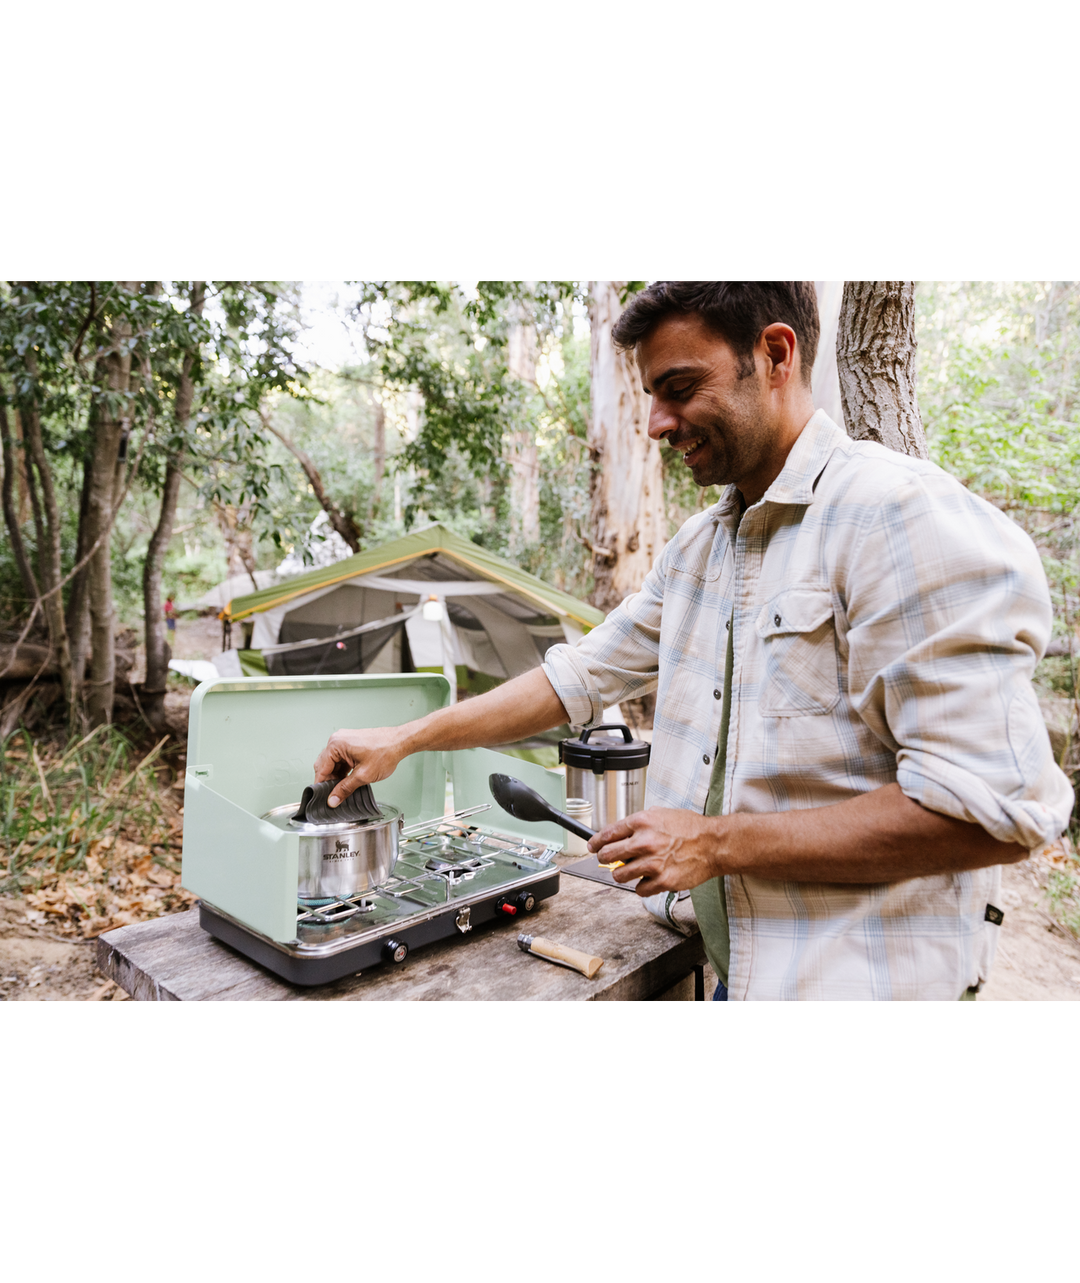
{"x": 718, "y": 422}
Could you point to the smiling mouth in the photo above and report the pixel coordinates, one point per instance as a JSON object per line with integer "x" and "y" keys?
{"x": 689, "y": 450}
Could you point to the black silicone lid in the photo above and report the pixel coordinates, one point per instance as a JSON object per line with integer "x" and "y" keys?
{"x": 606, "y": 753}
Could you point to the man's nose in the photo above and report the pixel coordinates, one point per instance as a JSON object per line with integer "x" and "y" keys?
{"x": 661, "y": 419}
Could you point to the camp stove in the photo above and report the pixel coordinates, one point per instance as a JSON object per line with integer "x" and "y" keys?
{"x": 251, "y": 742}
{"x": 449, "y": 878}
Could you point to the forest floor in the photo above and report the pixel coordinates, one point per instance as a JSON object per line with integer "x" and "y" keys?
{"x": 198, "y": 637}
{"x": 1037, "y": 958}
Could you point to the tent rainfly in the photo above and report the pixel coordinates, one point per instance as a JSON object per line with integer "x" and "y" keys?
{"x": 431, "y": 601}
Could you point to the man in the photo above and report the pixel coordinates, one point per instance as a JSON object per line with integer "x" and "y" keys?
{"x": 846, "y": 743}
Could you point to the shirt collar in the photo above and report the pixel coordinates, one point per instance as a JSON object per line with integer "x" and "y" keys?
{"x": 812, "y": 450}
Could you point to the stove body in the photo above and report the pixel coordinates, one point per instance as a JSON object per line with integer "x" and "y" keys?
{"x": 251, "y": 745}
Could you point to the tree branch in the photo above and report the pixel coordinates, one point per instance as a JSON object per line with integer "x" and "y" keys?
{"x": 341, "y": 521}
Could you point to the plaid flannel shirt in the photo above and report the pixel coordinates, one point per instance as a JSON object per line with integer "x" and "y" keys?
{"x": 887, "y": 623}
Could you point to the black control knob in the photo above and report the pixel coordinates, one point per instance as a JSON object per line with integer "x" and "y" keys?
{"x": 525, "y": 901}
{"x": 395, "y": 951}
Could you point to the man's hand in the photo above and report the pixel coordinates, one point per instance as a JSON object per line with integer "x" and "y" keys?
{"x": 880, "y": 836}
{"x": 522, "y": 707}
{"x": 668, "y": 850}
{"x": 359, "y": 757}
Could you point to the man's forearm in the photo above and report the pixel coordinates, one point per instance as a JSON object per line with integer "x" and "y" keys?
{"x": 882, "y": 836}
{"x": 519, "y": 708}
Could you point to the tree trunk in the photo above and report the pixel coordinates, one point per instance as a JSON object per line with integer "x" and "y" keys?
{"x": 521, "y": 444}
{"x": 380, "y": 456}
{"x": 49, "y": 536}
{"x": 158, "y": 653}
{"x": 78, "y": 608}
{"x": 47, "y": 517}
{"x": 628, "y": 523}
{"x": 11, "y": 517}
{"x": 825, "y": 380}
{"x": 875, "y": 357}
{"x": 112, "y": 422}
{"x": 239, "y": 558}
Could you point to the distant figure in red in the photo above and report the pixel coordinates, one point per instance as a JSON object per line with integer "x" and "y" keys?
{"x": 170, "y": 614}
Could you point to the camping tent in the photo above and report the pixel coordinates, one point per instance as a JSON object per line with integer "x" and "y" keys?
{"x": 429, "y": 601}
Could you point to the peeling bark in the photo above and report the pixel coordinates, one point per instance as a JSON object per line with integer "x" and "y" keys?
{"x": 380, "y": 454}
{"x": 628, "y": 523}
{"x": 875, "y": 357}
{"x": 521, "y": 451}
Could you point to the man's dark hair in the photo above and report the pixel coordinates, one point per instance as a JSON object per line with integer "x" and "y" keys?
{"x": 735, "y": 310}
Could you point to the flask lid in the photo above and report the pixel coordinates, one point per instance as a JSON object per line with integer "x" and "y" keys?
{"x": 606, "y": 753}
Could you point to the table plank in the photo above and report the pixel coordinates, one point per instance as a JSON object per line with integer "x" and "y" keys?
{"x": 173, "y": 959}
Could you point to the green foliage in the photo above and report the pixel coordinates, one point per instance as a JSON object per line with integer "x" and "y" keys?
{"x": 333, "y": 423}
{"x": 1055, "y": 675}
{"x": 54, "y": 337}
{"x": 1063, "y": 896}
{"x": 999, "y": 388}
{"x": 58, "y": 806}
{"x": 429, "y": 338}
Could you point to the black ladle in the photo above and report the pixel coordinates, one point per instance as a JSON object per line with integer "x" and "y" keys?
{"x": 524, "y": 803}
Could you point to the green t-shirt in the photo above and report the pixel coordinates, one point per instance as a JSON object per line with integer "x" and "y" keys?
{"x": 710, "y": 899}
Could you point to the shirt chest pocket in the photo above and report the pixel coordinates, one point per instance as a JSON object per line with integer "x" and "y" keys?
{"x": 801, "y": 674}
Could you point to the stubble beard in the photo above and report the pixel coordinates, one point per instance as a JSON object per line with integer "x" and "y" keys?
{"x": 740, "y": 439}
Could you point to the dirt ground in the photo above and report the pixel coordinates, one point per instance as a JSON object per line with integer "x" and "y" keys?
{"x": 196, "y": 637}
{"x": 1036, "y": 960}
{"x": 36, "y": 966}
{"x": 199, "y": 638}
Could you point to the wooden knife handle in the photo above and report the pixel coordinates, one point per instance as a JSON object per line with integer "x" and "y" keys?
{"x": 586, "y": 963}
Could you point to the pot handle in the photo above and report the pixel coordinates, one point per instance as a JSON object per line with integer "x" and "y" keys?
{"x": 608, "y": 726}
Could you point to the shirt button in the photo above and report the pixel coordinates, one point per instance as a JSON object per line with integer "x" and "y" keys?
{"x": 776, "y": 620}
{"x": 705, "y": 758}
{"x": 717, "y": 694}
{"x": 728, "y": 625}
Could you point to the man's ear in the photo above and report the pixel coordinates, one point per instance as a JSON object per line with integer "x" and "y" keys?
{"x": 779, "y": 348}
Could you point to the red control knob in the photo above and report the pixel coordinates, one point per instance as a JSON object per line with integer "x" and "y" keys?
{"x": 509, "y": 908}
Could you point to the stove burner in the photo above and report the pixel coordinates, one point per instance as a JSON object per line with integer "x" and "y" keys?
{"x": 338, "y": 911}
{"x": 461, "y": 870}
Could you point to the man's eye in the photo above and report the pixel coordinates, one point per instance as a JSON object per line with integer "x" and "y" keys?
{"x": 683, "y": 391}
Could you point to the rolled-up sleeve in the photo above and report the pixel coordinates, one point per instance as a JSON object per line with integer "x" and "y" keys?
{"x": 617, "y": 660}
{"x": 948, "y": 611}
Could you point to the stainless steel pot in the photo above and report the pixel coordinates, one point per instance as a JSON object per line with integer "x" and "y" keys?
{"x": 340, "y": 860}
{"x": 610, "y": 773}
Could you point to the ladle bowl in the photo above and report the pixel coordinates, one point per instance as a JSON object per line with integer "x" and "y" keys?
{"x": 524, "y": 803}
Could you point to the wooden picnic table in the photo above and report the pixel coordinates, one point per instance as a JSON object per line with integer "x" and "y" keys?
{"x": 174, "y": 959}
